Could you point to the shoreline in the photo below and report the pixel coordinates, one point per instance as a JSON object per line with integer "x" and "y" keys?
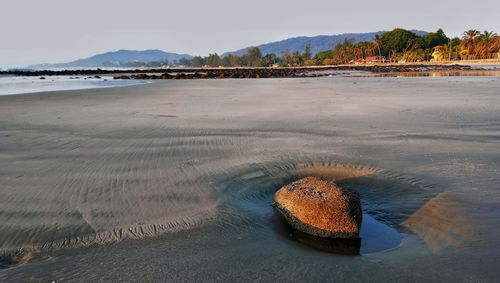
{"x": 48, "y": 81}
{"x": 242, "y": 72}
{"x": 16, "y": 85}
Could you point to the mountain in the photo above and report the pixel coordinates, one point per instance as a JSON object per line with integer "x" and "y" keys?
{"x": 318, "y": 43}
{"x": 115, "y": 58}
{"x": 135, "y": 58}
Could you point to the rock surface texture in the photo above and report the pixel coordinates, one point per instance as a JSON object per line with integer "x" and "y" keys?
{"x": 320, "y": 208}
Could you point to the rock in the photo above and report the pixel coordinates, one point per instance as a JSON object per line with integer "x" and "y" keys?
{"x": 141, "y": 76}
{"x": 320, "y": 208}
{"x": 122, "y": 77}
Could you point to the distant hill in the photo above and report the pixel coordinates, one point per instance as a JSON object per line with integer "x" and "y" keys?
{"x": 117, "y": 57}
{"x": 318, "y": 43}
{"x": 295, "y": 44}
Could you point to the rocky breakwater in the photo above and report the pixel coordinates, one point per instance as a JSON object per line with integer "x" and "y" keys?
{"x": 282, "y": 72}
{"x": 321, "y": 214}
{"x": 235, "y": 72}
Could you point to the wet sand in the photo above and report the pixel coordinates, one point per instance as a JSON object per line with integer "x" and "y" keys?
{"x": 173, "y": 180}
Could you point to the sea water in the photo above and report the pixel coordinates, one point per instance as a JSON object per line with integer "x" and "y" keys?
{"x": 29, "y": 84}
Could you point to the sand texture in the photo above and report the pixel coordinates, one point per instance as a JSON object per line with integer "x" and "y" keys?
{"x": 174, "y": 180}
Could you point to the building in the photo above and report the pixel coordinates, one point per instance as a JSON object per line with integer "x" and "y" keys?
{"x": 438, "y": 54}
{"x": 359, "y": 61}
{"x": 375, "y": 59}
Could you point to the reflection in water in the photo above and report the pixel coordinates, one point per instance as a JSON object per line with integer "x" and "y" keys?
{"x": 390, "y": 199}
{"x": 374, "y": 237}
{"x": 459, "y": 73}
{"x": 440, "y": 223}
{"x": 387, "y": 200}
{"x": 378, "y": 237}
{"x": 333, "y": 245}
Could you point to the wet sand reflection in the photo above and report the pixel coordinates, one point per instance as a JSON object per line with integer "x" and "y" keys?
{"x": 461, "y": 73}
{"x": 440, "y": 223}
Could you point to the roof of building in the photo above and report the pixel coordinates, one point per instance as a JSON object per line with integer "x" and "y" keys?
{"x": 374, "y": 58}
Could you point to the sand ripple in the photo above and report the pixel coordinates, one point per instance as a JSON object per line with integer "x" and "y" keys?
{"x": 103, "y": 166}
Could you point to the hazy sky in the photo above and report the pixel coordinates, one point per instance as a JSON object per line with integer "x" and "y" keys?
{"x": 35, "y": 31}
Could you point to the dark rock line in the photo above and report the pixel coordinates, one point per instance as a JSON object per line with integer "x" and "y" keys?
{"x": 222, "y": 73}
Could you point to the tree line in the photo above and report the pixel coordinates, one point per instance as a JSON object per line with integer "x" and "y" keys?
{"x": 252, "y": 58}
{"x": 392, "y": 46}
{"x": 404, "y": 45}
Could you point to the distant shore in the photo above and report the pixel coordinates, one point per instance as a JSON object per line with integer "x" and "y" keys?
{"x": 242, "y": 72}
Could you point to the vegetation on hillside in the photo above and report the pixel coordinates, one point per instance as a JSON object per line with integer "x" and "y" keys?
{"x": 398, "y": 45}
{"x": 403, "y": 45}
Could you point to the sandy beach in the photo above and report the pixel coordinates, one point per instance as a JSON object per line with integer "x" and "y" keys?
{"x": 177, "y": 177}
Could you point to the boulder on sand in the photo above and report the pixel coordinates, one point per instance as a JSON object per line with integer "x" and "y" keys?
{"x": 320, "y": 208}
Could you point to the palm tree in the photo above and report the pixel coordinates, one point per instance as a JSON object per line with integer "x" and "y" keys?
{"x": 469, "y": 41}
{"x": 471, "y": 34}
{"x": 378, "y": 42}
{"x": 487, "y": 36}
{"x": 485, "y": 47}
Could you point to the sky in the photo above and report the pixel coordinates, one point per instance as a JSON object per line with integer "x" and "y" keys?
{"x": 54, "y": 31}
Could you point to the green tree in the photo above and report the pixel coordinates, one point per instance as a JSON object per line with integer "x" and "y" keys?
{"x": 378, "y": 43}
{"x": 184, "y": 62}
{"x": 320, "y": 57}
{"x": 342, "y": 52}
{"x": 469, "y": 43}
{"x": 471, "y": 34}
{"x": 486, "y": 46}
{"x": 253, "y": 56}
{"x": 226, "y": 60}
{"x": 487, "y": 36}
{"x": 269, "y": 60}
{"x": 292, "y": 59}
{"x": 414, "y": 55}
{"x": 433, "y": 39}
{"x": 307, "y": 52}
{"x": 454, "y": 47}
{"x": 197, "y": 61}
{"x": 213, "y": 60}
{"x": 398, "y": 40}
{"x": 347, "y": 51}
